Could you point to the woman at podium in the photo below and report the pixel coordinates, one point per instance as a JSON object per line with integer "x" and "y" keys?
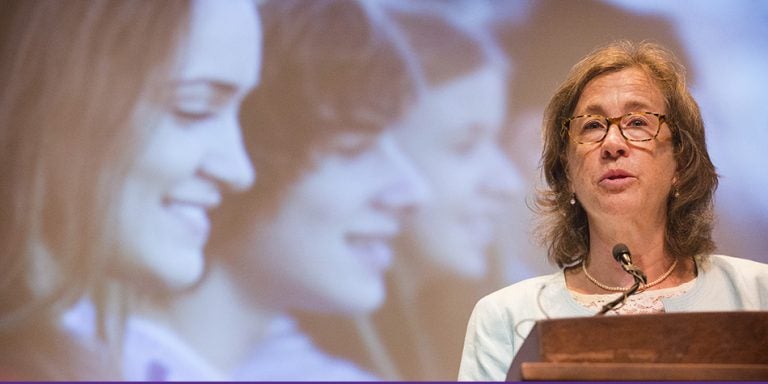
{"x": 625, "y": 161}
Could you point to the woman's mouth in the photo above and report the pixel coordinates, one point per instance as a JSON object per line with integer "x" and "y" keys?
{"x": 481, "y": 229}
{"x": 193, "y": 217}
{"x": 616, "y": 179}
{"x": 374, "y": 249}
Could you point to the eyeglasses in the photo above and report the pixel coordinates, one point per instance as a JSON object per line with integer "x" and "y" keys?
{"x": 634, "y": 126}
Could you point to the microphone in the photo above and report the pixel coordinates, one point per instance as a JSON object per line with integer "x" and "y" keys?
{"x": 623, "y": 257}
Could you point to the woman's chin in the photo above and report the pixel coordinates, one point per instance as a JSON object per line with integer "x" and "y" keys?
{"x": 468, "y": 265}
{"x": 352, "y": 301}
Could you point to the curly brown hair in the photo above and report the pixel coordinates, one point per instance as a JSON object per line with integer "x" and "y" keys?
{"x": 564, "y": 228}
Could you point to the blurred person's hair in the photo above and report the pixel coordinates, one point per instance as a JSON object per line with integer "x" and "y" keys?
{"x": 330, "y": 67}
{"x": 75, "y": 75}
{"x": 440, "y": 47}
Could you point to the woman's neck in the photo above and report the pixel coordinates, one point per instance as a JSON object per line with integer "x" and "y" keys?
{"x": 646, "y": 241}
{"x": 218, "y": 320}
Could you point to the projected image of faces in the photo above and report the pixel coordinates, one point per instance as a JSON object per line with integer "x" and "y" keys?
{"x": 328, "y": 245}
{"x": 196, "y": 154}
{"x": 452, "y": 134}
{"x": 397, "y": 146}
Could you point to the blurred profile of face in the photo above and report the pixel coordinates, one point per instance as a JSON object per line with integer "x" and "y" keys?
{"x": 452, "y": 136}
{"x": 328, "y": 245}
{"x": 616, "y": 176}
{"x": 195, "y": 153}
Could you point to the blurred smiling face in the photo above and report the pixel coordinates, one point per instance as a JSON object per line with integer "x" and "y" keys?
{"x": 194, "y": 153}
{"x": 327, "y": 247}
{"x": 452, "y": 136}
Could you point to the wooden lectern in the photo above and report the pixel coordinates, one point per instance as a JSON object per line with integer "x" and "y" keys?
{"x": 669, "y": 346}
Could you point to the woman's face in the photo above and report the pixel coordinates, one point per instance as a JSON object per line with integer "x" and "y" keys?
{"x": 452, "y": 135}
{"x": 328, "y": 245}
{"x": 616, "y": 177}
{"x": 195, "y": 152}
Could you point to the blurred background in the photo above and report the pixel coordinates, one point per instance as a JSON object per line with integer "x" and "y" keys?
{"x": 723, "y": 44}
{"x": 397, "y": 146}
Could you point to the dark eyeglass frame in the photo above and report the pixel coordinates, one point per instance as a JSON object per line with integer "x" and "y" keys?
{"x": 614, "y": 121}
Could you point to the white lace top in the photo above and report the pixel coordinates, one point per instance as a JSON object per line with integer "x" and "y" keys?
{"x": 643, "y": 302}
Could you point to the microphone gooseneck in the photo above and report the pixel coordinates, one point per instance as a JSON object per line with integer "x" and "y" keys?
{"x": 624, "y": 258}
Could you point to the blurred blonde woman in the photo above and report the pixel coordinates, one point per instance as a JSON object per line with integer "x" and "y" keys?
{"x": 118, "y": 136}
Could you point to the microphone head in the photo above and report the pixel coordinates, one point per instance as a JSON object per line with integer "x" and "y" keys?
{"x": 619, "y": 250}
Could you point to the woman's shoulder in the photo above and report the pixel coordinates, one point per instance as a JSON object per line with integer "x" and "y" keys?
{"x": 736, "y": 264}
{"x": 747, "y": 275}
{"x": 742, "y": 283}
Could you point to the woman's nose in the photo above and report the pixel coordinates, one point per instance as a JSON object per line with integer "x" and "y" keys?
{"x": 407, "y": 187}
{"x": 502, "y": 179}
{"x": 614, "y": 145}
{"x": 227, "y": 161}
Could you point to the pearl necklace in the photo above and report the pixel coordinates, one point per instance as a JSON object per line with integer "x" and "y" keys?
{"x": 622, "y": 289}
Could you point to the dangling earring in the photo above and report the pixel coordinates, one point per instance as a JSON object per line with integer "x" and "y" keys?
{"x": 675, "y": 190}
{"x": 573, "y": 198}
